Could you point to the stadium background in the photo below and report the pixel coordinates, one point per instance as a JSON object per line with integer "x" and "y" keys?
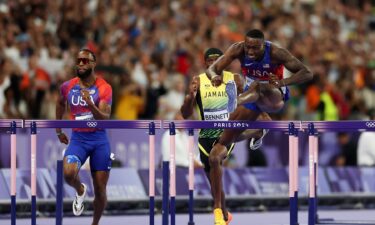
{"x": 149, "y": 50}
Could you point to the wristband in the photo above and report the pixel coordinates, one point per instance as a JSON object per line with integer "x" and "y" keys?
{"x": 59, "y": 133}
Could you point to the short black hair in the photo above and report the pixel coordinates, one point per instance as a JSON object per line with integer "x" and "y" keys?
{"x": 255, "y": 33}
{"x": 89, "y": 51}
{"x": 212, "y": 52}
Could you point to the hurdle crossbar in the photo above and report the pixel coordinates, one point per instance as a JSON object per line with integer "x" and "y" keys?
{"x": 271, "y": 125}
{"x": 334, "y": 126}
{"x": 103, "y": 124}
{"x": 292, "y": 127}
{"x": 314, "y": 127}
{"x": 151, "y": 125}
{"x": 6, "y": 123}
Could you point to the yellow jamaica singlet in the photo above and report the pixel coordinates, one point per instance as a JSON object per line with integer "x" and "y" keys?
{"x": 212, "y": 103}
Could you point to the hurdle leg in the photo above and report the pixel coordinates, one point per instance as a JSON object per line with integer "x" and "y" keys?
{"x": 172, "y": 169}
{"x": 191, "y": 177}
{"x": 293, "y": 175}
{"x": 59, "y": 192}
{"x": 33, "y": 173}
{"x": 13, "y": 177}
{"x": 165, "y": 202}
{"x": 312, "y": 176}
{"x": 152, "y": 172}
{"x": 315, "y": 145}
{"x": 295, "y": 171}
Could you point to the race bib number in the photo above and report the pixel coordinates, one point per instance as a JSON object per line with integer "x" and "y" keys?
{"x": 87, "y": 116}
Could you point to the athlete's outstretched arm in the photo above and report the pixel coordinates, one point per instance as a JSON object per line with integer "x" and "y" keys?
{"x": 216, "y": 69}
{"x": 301, "y": 73}
{"x": 190, "y": 100}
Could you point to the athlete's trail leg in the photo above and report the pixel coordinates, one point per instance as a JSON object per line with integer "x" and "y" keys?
{"x": 219, "y": 151}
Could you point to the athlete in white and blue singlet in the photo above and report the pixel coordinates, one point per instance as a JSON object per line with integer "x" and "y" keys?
{"x": 266, "y": 90}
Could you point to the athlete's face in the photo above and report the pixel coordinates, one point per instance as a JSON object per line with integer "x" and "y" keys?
{"x": 210, "y": 60}
{"x": 85, "y": 64}
{"x": 254, "y": 48}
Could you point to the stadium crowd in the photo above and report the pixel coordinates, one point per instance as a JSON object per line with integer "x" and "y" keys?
{"x": 148, "y": 50}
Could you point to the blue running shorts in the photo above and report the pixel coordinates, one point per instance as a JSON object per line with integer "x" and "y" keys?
{"x": 91, "y": 144}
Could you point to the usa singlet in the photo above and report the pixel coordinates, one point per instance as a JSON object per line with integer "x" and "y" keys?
{"x": 71, "y": 92}
{"x": 260, "y": 71}
{"x": 88, "y": 142}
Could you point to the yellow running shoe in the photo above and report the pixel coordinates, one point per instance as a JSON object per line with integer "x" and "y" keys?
{"x": 219, "y": 218}
{"x": 230, "y": 217}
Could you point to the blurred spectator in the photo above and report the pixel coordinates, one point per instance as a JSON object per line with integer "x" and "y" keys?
{"x": 11, "y": 108}
{"x": 35, "y": 82}
{"x": 182, "y": 143}
{"x": 154, "y": 90}
{"x": 348, "y": 150}
{"x": 131, "y": 102}
{"x": 366, "y": 148}
{"x": 4, "y": 84}
{"x": 170, "y": 103}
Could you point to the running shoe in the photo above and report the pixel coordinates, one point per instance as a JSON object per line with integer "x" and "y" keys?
{"x": 231, "y": 90}
{"x": 219, "y": 218}
{"x": 78, "y": 202}
{"x": 256, "y": 143}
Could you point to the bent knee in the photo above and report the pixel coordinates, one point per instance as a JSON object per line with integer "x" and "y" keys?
{"x": 217, "y": 155}
{"x": 279, "y": 106}
{"x": 214, "y": 160}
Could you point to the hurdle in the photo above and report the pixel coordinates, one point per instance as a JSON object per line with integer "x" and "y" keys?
{"x": 12, "y": 125}
{"x": 288, "y": 127}
{"x": 102, "y": 124}
{"x": 314, "y": 127}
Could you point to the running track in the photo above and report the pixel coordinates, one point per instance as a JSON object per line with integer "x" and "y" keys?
{"x": 246, "y": 218}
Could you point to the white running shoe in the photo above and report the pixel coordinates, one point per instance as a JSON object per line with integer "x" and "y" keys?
{"x": 256, "y": 143}
{"x": 78, "y": 202}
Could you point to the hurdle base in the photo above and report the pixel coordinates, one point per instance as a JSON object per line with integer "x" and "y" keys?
{"x": 344, "y": 222}
{"x": 191, "y": 223}
{"x": 13, "y": 209}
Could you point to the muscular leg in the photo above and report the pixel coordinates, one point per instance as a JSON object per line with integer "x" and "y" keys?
{"x": 100, "y": 179}
{"x": 71, "y": 175}
{"x": 267, "y": 97}
{"x": 271, "y": 99}
{"x": 223, "y": 207}
{"x": 250, "y": 95}
{"x": 219, "y": 152}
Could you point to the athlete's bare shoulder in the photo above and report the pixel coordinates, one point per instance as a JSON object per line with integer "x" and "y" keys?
{"x": 280, "y": 55}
